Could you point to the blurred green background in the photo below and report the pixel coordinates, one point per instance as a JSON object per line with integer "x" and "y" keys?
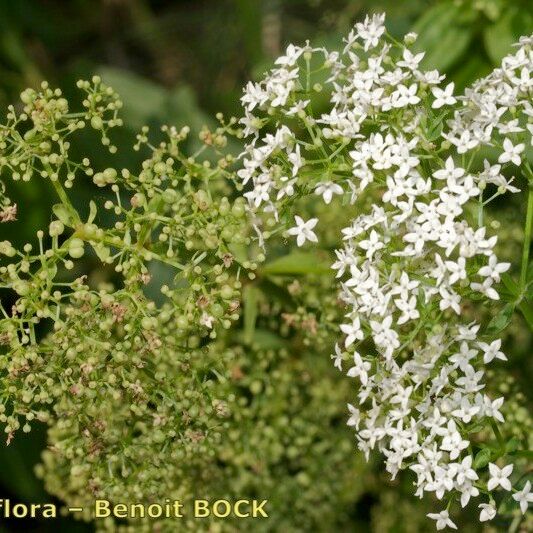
{"x": 179, "y": 62}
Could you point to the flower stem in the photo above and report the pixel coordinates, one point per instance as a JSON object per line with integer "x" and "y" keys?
{"x": 65, "y": 200}
{"x": 498, "y": 435}
{"x": 527, "y": 239}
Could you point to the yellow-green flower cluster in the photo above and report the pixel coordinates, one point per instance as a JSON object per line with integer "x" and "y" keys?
{"x": 65, "y": 337}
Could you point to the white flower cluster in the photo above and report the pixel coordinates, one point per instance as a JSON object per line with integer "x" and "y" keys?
{"x": 418, "y": 246}
{"x": 497, "y": 107}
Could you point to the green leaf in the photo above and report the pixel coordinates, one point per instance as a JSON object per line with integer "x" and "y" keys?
{"x": 443, "y": 35}
{"x": 510, "y": 285}
{"x": 512, "y": 445}
{"x": 297, "y": 263}
{"x": 482, "y": 458}
{"x": 529, "y": 291}
{"x": 250, "y": 296}
{"x": 435, "y": 129}
{"x": 527, "y": 312}
{"x": 528, "y": 454}
{"x": 501, "y": 320}
{"x": 476, "y": 428}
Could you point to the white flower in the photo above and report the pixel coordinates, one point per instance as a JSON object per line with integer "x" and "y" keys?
{"x": 371, "y": 30}
{"x": 259, "y": 194}
{"x": 353, "y": 332}
{"x": 450, "y": 172}
{"x": 337, "y": 357}
{"x": 404, "y": 96}
{"x": 494, "y": 269}
{"x": 492, "y": 408}
{"x": 467, "y": 491}
{"x": 254, "y": 95}
{"x": 492, "y": 351}
{"x": 488, "y": 512}
{"x": 372, "y": 244}
{"x": 327, "y": 190}
{"x": 360, "y": 369}
{"x": 410, "y": 37}
{"x": 524, "y": 497}
{"x": 452, "y": 441}
{"x": 411, "y": 60}
{"x": 300, "y": 105}
{"x": 465, "y": 142}
{"x": 296, "y": 159}
{"x": 291, "y": 56}
{"x": 303, "y": 230}
{"x": 287, "y": 189}
{"x": 465, "y": 472}
{"x": 355, "y": 416}
{"x": 443, "y": 97}
{"x": 486, "y": 288}
{"x": 207, "y": 320}
{"x": 499, "y": 477}
{"x": 511, "y": 153}
{"x": 466, "y": 412}
{"x": 443, "y": 520}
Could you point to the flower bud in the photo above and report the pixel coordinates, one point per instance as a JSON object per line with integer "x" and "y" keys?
{"x": 76, "y": 248}
{"x": 7, "y": 249}
{"x": 56, "y": 228}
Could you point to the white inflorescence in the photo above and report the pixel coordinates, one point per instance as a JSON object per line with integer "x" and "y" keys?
{"x": 413, "y": 253}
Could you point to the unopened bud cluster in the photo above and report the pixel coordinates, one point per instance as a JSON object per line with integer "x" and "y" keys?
{"x": 82, "y": 354}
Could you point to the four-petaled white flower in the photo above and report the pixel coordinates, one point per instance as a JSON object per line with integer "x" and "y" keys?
{"x": 492, "y": 351}
{"x": 355, "y": 416}
{"x": 443, "y": 96}
{"x": 337, "y": 357}
{"x": 372, "y": 244}
{"x": 499, "y": 476}
{"x": 494, "y": 269}
{"x": 353, "y": 332}
{"x": 511, "y": 153}
{"x": 524, "y": 497}
{"x": 327, "y": 190}
{"x": 303, "y": 231}
{"x": 443, "y": 520}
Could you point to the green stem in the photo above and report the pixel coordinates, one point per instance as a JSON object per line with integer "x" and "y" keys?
{"x": 499, "y": 437}
{"x": 65, "y": 200}
{"x": 515, "y": 523}
{"x": 527, "y": 239}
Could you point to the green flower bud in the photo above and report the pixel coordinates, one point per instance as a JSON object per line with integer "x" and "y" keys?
{"x": 21, "y": 287}
{"x": 7, "y": 249}
{"x": 238, "y": 209}
{"x": 76, "y": 248}
{"x": 56, "y": 228}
